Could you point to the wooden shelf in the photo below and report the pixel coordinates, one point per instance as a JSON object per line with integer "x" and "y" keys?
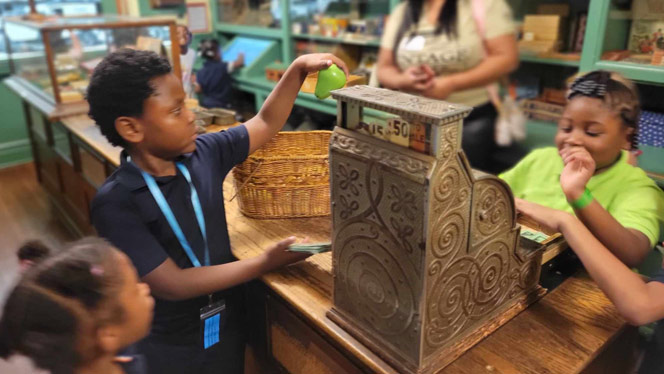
{"x": 548, "y": 61}
{"x": 640, "y": 72}
{"x": 374, "y": 42}
{"x": 265, "y": 32}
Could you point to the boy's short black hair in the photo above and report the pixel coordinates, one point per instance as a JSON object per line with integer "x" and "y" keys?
{"x": 119, "y": 86}
{"x": 34, "y": 251}
{"x": 208, "y": 48}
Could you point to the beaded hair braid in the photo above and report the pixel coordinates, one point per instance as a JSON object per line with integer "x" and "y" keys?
{"x": 617, "y": 92}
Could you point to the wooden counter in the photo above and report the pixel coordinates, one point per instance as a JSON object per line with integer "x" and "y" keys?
{"x": 562, "y": 333}
{"x": 573, "y": 329}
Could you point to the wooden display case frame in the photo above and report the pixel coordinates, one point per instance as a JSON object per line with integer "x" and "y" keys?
{"x": 115, "y": 22}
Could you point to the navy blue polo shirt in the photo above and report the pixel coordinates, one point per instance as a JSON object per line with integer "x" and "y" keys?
{"x": 215, "y": 84}
{"x": 125, "y": 213}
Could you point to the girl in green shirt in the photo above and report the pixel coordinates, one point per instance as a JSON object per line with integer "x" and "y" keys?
{"x": 588, "y": 174}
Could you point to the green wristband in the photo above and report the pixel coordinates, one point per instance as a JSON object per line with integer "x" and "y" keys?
{"x": 582, "y": 201}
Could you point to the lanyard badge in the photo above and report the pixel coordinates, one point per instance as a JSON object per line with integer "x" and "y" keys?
{"x": 212, "y": 316}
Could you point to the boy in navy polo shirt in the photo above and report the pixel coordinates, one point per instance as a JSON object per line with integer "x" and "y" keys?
{"x": 164, "y": 206}
{"x": 214, "y": 79}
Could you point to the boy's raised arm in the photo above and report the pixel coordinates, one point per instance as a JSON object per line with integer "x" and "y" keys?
{"x": 279, "y": 103}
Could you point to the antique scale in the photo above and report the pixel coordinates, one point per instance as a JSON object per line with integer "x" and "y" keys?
{"x": 427, "y": 257}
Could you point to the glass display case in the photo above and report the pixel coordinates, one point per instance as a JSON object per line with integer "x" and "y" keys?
{"x": 260, "y": 13}
{"x": 355, "y": 21}
{"x": 633, "y": 42}
{"x": 56, "y": 56}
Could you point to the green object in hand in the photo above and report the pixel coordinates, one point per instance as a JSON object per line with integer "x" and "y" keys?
{"x": 329, "y": 79}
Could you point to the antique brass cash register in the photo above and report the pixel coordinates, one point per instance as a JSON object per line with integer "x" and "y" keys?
{"x": 427, "y": 257}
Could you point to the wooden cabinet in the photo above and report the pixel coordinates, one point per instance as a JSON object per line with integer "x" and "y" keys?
{"x": 298, "y": 348}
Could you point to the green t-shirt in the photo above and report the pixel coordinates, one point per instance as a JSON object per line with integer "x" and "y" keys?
{"x": 625, "y": 191}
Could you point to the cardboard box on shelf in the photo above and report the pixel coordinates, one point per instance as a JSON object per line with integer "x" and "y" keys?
{"x": 275, "y": 71}
{"x": 559, "y": 9}
{"x": 544, "y": 33}
{"x": 542, "y": 111}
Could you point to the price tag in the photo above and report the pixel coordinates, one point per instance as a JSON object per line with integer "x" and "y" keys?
{"x": 399, "y": 131}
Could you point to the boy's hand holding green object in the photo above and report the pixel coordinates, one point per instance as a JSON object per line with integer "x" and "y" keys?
{"x": 329, "y": 79}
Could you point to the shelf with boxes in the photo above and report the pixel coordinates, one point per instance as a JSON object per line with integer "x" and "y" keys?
{"x": 353, "y": 39}
{"x": 350, "y": 30}
{"x": 552, "y": 33}
{"x": 633, "y": 42}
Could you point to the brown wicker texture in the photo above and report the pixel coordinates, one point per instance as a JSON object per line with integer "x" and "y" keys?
{"x": 289, "y": 177}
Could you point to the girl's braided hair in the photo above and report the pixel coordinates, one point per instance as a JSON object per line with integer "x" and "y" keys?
{"x": 53, "y": 312}
{"x": 617, "y": 92}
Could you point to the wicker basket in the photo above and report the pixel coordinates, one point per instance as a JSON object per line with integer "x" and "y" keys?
{"x": 289, "y": 177}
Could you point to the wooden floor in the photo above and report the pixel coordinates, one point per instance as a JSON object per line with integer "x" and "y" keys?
{"x": 25, "y": 214}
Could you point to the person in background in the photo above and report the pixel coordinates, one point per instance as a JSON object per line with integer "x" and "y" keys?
{"x": 73, "y": 313}
{"x": 30, "y": 253}
{"x": 213, "y": 81}
{"x": 450, "y": 50}
{"x": 187, "y": 59}
{"x": 587, "y": 173}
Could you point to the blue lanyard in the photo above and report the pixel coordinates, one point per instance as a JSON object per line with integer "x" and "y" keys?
{"x": 170, "y": 217}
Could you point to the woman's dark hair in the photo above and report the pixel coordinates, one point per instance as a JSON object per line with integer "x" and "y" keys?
{"x": 208, "y": 48}
{"x": 119, "y": 86}
{"x": 52, "y": 313}
{"x": 447, "y": 20}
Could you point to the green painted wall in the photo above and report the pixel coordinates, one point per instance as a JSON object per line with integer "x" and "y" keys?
{"x": 14, "y": 143}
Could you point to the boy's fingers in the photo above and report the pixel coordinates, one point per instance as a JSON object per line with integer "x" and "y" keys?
{"x": 284, "y": 244}
{"x": 340, "y": 63}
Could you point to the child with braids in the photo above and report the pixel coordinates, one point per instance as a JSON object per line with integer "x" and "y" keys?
{"x": 74, "y": 311}
{"x": 587, "y": 173}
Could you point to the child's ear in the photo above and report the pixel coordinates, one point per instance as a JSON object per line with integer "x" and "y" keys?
{"x": 108, "y": 339}
{"x": 129, "y": 129}
{"x": 629, "y": 134}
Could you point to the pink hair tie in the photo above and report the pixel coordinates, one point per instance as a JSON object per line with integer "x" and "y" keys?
{"x": 96, "y": 270}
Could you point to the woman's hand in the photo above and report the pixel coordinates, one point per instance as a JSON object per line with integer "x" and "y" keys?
{"x": 548, "y": 218}
{"x": 314, "y": 62}
{"x": 416, "y": 79}
{"x": 441, "y": 88}
{"x": 278, "y": 255}
{"x": 579, "y": 168}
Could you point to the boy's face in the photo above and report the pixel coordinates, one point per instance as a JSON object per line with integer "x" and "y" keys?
{"x": 167, "y": 125}
{"x": 183, "y": 36}
{"x": 588, "y": 123}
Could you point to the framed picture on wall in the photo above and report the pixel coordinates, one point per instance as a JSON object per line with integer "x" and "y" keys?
{"x": 198, "y": 17}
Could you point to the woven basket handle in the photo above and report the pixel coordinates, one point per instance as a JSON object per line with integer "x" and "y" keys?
{"x": 237, "y": 190}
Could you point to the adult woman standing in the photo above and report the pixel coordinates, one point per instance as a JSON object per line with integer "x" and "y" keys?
{"x": 451, "y": 50}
